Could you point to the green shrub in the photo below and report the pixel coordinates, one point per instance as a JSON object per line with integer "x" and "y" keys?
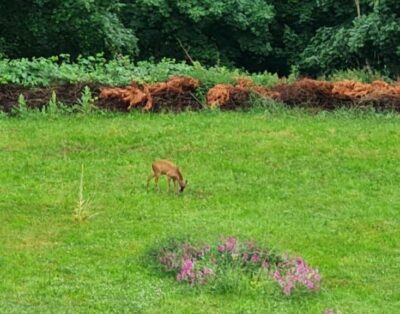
{"x": 359, "y": 75}
{"x": 116, "y": 72}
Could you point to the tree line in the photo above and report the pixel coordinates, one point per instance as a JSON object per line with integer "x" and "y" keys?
{"x": 314, "y": 36}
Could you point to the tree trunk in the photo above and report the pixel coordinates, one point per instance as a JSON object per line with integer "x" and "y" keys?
{"x": 357, "y": 3}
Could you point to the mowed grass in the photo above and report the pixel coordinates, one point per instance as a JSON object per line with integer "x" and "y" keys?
{"x": 325, "y": 187}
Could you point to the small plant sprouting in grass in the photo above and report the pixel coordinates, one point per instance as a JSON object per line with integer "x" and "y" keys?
{"x": 86, "y": 103}
{"x": 81, "y": 211}
{"x": 22, "y": 107}
{"x": 52, "y": 107}
{"x": 227, "y": 263}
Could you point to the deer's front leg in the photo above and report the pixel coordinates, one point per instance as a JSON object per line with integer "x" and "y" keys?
{"x": 169, "y": 183}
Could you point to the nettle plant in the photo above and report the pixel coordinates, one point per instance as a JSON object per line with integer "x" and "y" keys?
{"x": 200, "y": 265}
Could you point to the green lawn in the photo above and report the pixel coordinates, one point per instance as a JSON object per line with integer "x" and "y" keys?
{"x": 326, "y": 187}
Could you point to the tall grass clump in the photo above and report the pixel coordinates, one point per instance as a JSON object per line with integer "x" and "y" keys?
{"x": 358, "y": 75}
{"x": 81, "y": 212}
{"x": 266, "y": 105}
{"x": 21, "y": 109}
{"x": 86, "y": 103}
{"x": 52, "y": 107}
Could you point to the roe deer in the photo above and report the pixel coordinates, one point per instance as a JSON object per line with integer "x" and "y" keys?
{"x": 171, "y": 171}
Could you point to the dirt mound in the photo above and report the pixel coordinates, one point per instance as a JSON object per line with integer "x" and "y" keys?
{"x": 351, "y": 88}
{"x": 304, "y": 92}
{"x": 175, "y": 94}
{"x": 331, "y": 95}
{"x": 178, "y": 93}
{"x": 68, "y": 94}
{"x": 230, "y": 97}
{"x": 121, "y": 98}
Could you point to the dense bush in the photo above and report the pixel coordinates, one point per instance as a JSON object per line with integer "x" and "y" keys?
{"x": 31, "y": 28}
{"x": 317, "y": 37}
{"x": 368, "y": 41}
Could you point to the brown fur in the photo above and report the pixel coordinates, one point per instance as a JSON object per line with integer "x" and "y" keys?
{"x": 170, "y": 170}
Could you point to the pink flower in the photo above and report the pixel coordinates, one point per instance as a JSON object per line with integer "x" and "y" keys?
{"x": 221, "y": 248}
{"x": 186, "y": 270}
{"x": 310, "y": 285}
{"x": 230, "y": 244}
{"x": 277, "y": 275}
{"x": 297, "y": 272}
{"x": 255, "y": 258}
{"x": 287, "y": 289}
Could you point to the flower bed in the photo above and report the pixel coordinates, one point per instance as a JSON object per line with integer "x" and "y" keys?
{"x": 199, "y": 265}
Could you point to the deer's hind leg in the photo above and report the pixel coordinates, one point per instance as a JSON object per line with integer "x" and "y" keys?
{"x": 151, "y": 176}
{"x": 156, "y": 177}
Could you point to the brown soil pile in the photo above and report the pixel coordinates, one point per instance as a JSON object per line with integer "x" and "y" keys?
{"x": 331, "y": 95}
{"x": 68, "y": 94}
{"x": 175, "y": 94}
{"x": 378, "y": 94}
{"x": 230, "y": 97}
{"x": 178, "y": 93}
{"x": 306, "y": 92}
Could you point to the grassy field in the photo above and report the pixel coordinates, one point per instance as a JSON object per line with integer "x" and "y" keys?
{"x": 325, "y": 187}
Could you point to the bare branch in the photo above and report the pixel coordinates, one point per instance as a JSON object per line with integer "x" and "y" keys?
{"x": 185, "y": 51}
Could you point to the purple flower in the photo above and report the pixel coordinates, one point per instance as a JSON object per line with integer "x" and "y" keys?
{"x": 255, "y": 258}
{"x": 186, "y": 270}
{"x": 276, "y": 275}
{"x": 310, "y": 285}
{"x": 230, "y": 244}
{"x": 296, "y": 272}
{"x": 287, "y": 288}
{"x": 221, "y": 248}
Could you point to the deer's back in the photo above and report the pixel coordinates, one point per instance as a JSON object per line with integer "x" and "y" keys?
{"x": 164, "y": 166}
